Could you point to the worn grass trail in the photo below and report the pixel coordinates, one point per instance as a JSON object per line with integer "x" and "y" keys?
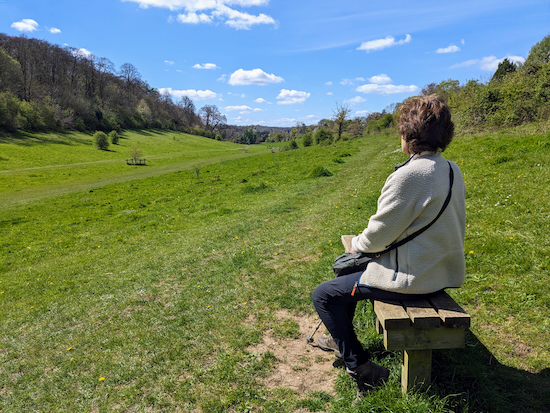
{"x": 146, "y": 295}
{"x": 51, "y": 165}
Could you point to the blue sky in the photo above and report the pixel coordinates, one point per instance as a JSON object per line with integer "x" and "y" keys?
{"x": 279, "y": 62}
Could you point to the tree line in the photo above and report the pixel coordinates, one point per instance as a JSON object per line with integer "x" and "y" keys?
{"x": 45, "y": 87}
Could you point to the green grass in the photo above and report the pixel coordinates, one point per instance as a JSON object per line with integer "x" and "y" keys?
{"x": 35, "y": 166}
{"x": 159, "y": 285}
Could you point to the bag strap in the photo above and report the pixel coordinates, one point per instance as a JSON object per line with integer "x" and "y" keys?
{"x": 397, "y": 244}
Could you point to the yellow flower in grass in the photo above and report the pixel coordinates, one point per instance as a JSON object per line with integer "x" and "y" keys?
{"x": 471, "y": 252}
{"x": 101, "y": 378}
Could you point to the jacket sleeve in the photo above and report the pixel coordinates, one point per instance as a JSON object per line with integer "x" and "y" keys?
{"x": 403, "y": 198}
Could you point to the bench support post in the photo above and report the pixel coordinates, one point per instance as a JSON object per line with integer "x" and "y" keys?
{"x": 416, "y": 369}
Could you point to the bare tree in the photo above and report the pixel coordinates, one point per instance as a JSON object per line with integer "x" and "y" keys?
{"x": 212, "y": 117}
{"x": 188, "y": 111}
{"x": 340, "y": 113}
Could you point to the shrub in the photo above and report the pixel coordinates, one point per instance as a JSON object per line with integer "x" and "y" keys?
{"x": 135, "y": 153}
{"x": 307, "y": 139}
{"x": 114, "y": 137}
{"x": 319, "y": 171}
{"x": 323, "y": 137}
{"x": 101, "y": 141}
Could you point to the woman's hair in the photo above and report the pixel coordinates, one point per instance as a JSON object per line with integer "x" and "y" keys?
{"x": 425, "y": 123}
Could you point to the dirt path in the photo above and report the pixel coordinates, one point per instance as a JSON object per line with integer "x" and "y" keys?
{"x": 300, "y": 366}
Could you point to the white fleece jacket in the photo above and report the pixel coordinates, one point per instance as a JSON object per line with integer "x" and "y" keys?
{"x": 411, "y": 198}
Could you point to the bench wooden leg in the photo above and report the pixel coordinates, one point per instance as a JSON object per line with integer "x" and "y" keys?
{"x": 416, "y": 370}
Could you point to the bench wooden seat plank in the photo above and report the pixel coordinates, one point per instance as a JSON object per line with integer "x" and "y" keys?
{"x": 451, "y": 313}
{"x": 422, "y": 314}
{"x": 391, "y": 315}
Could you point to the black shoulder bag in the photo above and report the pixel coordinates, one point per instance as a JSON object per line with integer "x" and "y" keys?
{"x": 351, "y": 262}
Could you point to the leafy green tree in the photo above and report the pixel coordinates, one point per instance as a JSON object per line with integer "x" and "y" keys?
{"x": 249, "y": 136}
{"x": 307, "y": 139}
{"x": 101, "y": 141}
{"x": 323, "y": 137}
{"x": 293, "y": 144}
{"x": 539, "y": 55}
{"x": 339, "y": 114}
{"x": 504, "y": 67}
{"x": 114, "y": 137}
{"x": 135, "y": 153}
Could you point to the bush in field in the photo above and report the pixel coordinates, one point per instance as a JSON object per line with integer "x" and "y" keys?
{"x": 307, "y": 139}
{"x": 323, "y": 137}
{"x": 135, "y": 153}
{"x": 114, "y": 137}
{"x": 101, "y": 141}
{"x": 319, "y": 171}
{"x": 293, "y": 144}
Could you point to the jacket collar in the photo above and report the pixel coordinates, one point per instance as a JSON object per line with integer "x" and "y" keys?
{"x": 415, "y": 156}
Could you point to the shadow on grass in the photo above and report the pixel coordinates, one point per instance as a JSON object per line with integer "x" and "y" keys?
{"x": 473, "y": 378}
{"x": 32, "y": 139}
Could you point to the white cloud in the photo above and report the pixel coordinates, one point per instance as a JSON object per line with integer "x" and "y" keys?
{"x": 241, "y": 109}
{"x": 232, "y": 108}
{"x": 207, "y": 66}
{"x": 362, "y": 112}
{"x": 253, "y": 77}
{"x": 311, "y": 117}
{"x": 239, "y": 20}
{"x": 462, "y": 42}
{"x": 258, "y": 110}
{"x": 25, "y": 25}
{"x": 356, "y": 100}
{"x": 284, "y": 122}
{"x": 194, "y": 18}
{"x": 241, "y": 120}
{"x": 260, "y": 100}
{"x": 82, "y": 53}
{"x": 489, "y": 63}
{"x": 380, "y": 44}
{"x": 54, "y": 30}
{"x": 328, "y": 83}
{"x": 451, "y": 49}
{"x": 381, "y": 79}
{"x": 330, "y": 93}
{"x": 169, "y": 62}
{"x": 292, "y": 97}
{"x": 351, "y": 81}
{"x": 192, "y": 93}
{"x": 217, "y": 9}
{"x": 386, "y": 89}
{"x": 466, "y": 63}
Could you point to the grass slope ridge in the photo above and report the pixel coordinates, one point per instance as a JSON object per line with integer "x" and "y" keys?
{"x": 147, "y": 294}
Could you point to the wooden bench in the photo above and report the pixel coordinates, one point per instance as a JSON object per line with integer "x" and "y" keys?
{"x": 136, "y": 161}
{"x": 418, "y": 327}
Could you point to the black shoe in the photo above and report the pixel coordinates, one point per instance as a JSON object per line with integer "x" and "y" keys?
{"x": 327, "y": 343}
{"x": 368, "y": 376}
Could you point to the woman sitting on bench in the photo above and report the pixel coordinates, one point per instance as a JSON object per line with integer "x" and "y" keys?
{"x": 411, "y": 199}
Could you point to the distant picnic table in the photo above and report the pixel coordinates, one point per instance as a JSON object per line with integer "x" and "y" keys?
{"x": 136, "y": 161}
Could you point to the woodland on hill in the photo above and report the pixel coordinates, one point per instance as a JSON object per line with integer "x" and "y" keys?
{"x": 45, "y": 87}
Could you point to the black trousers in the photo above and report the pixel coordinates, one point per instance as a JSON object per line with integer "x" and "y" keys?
{"x": 336, "y": 307}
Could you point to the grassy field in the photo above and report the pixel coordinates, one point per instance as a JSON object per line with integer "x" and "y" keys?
{"x": 146, "y": 294}
{"x": 35, "y": 166}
